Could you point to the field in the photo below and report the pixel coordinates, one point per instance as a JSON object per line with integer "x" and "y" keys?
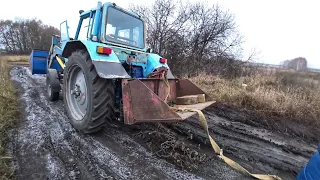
{"x": 257, "y": 120}
{"x": 279, "y": 97}
{"x": 16, "y": 60}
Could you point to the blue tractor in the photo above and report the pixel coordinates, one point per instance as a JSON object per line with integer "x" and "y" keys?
{"x": 106, "y": 72}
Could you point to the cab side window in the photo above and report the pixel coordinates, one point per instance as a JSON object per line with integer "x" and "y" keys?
{"x": 86, "y": 28}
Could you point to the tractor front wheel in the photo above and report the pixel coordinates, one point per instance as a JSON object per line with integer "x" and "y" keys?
{"x": 89, "y": 99}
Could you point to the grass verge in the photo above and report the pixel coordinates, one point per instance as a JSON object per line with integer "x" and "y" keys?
{"x": 8, "y": 115}
{"x": 279, "y": 96}
{"x": 21, "y": 60}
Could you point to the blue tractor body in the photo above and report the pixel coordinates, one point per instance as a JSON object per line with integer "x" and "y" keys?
{"x": 109, "y": 47}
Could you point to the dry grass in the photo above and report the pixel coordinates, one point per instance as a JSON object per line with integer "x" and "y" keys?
{"x": 277, "y": 95}
{"x": 16, "y": 59}
{"x": 8, "y": 115}
{"x": 23, "y": 58}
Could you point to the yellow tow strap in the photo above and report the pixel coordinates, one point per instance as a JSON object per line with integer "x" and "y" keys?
{"x": 214, "y": 145}
{"x": 219, "y": 151}
{"x": 60, "y": 62}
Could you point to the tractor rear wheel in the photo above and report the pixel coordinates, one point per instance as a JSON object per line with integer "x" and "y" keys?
{"x": 89, "y": 99}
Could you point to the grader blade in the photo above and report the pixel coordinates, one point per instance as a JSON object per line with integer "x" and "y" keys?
{"x": 146, "y": 100}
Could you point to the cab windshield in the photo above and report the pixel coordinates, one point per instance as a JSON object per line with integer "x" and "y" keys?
{"x": 124, "y": 29}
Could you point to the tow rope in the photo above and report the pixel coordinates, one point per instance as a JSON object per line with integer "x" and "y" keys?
{"x": 218, "y": 151}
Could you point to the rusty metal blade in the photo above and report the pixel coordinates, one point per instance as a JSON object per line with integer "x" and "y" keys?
{"x": 186, "y": 87}
{"x": 159, "y": 87}
{"x": 141, "y": 104}
{"x": 200, "y": 106}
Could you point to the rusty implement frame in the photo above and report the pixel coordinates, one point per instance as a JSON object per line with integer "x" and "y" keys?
{"x": 144, "y": 100}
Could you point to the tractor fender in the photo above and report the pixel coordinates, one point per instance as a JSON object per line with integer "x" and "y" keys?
{"x": 107, "y": 66}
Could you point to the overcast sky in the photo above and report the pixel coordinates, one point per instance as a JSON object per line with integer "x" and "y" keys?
{"x": 280, "y": 30}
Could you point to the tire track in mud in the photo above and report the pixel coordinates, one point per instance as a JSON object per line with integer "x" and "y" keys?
{"x": 256, "y": 149}
{"x": 46, "y": 146}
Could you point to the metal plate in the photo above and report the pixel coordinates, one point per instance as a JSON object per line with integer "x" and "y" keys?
{"x": 159, "y": 87}
{"x": 141, "y": 104}
{"x": 143, "y": 100}
{"x": 186, "y": 88}
{"x": 199, "y": 106}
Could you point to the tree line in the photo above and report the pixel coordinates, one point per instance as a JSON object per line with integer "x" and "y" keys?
{"x": 21, "y": 36}
{"x": 194, "y": 37}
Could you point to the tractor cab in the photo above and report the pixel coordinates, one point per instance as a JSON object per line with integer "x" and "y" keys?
{"x": 124, "y": 33}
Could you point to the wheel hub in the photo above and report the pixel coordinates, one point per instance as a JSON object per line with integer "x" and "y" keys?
{"x": 78, "y": 93}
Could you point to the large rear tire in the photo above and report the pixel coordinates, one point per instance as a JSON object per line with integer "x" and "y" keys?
{"x": 89, "y": 99}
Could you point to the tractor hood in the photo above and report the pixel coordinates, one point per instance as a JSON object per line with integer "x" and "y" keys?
{"x": 153, "y": 64}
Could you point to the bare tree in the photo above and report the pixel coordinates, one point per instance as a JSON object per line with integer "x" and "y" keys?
{"x": 298, "y": 64}
{"x": 21, "y": 36}
{"x": 193, "y": 36}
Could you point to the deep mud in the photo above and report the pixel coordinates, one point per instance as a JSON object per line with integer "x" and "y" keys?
{"x": 45, "y": 146}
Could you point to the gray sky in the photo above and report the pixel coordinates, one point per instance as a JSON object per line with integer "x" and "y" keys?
{"x": 279, "y": 30}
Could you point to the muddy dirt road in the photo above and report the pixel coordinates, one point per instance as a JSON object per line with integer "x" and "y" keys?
{"x": 45, "y": 146}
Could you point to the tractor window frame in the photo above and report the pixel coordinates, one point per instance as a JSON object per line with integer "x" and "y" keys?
{"x": 140, "y": 45}
{"x": 89, "y": 22}
{"x": 64, "y": 32}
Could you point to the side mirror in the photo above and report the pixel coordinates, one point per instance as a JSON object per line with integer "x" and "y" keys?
{"x": 149, "y": 50}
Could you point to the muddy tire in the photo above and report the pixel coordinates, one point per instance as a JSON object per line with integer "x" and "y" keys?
{"x": 52, "y": 85}
{"x": 89, "y": 99}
